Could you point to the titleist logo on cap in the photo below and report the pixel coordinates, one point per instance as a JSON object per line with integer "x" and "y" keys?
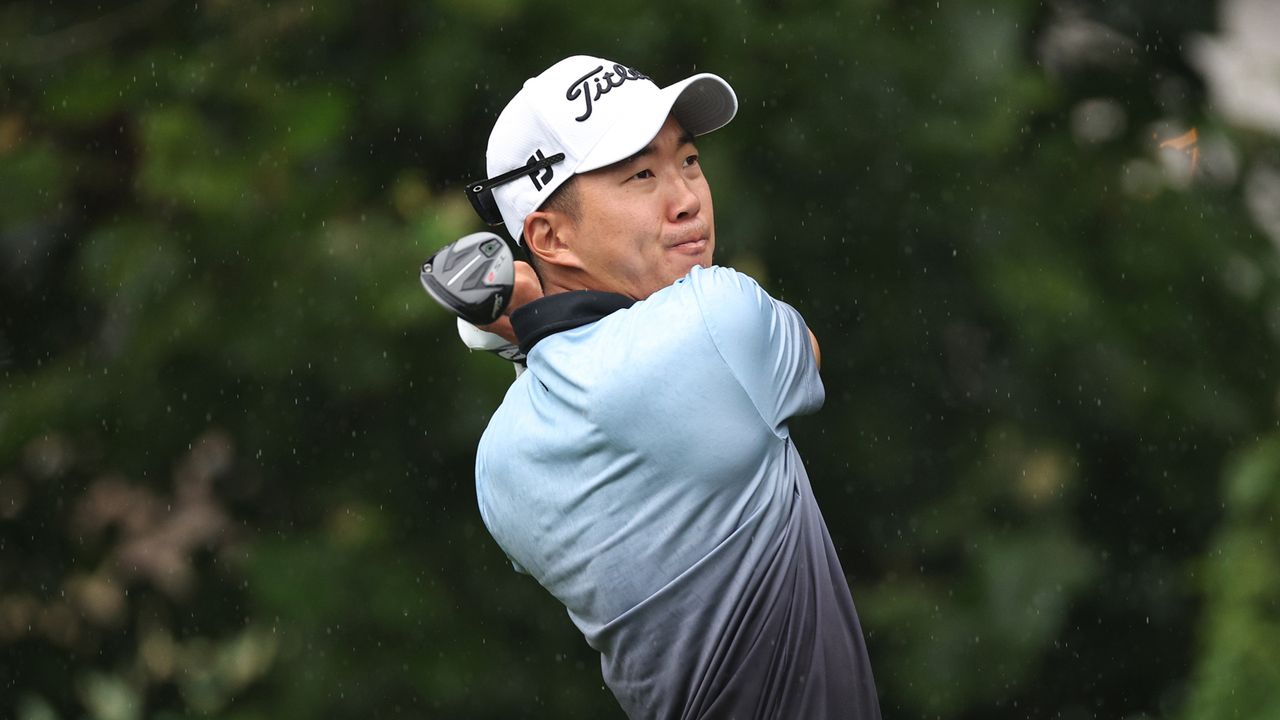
{"x": 603, "y": 84}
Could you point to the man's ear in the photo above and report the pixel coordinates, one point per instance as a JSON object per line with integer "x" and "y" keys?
{"x": 550, "y": 236}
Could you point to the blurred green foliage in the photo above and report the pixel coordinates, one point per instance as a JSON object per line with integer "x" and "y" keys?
{"x": 237, "y": 440}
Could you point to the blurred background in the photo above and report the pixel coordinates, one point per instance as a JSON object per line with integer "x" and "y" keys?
{"x": 1039, "y": 241}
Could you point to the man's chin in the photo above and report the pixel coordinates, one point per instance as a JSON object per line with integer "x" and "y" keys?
{"x": 684, "y": 265}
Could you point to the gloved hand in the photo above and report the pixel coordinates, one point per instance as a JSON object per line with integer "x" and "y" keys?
{"x": 477, "y": 339}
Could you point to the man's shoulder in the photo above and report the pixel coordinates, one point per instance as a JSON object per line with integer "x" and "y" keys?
{"x": 732, "y": 305}
{"x": 673, "y": 325}
{"x": 714, "y": 291}
{"x": 716, "y": 280}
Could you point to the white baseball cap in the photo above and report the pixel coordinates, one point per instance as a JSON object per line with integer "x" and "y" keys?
{"x": 582, "y": 114}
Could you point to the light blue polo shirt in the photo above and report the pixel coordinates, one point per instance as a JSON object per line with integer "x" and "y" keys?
{"x": 642, "y": 472}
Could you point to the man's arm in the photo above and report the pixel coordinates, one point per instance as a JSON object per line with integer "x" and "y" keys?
{"x": 764, "y": 341}
{"x": 817, "y": 351}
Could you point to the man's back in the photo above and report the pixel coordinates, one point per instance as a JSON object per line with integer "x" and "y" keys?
{"x": 642, "y": 471}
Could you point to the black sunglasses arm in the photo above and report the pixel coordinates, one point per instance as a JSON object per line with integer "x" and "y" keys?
{"x": 480, "y": 192}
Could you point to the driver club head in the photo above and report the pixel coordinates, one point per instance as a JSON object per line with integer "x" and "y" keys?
{"x": 471, "y": 277}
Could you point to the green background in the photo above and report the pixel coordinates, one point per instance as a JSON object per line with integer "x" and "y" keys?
{"x": 237, "y": 439}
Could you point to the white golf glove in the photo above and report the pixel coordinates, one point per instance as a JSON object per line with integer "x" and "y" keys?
{"x": 477, "y": 339}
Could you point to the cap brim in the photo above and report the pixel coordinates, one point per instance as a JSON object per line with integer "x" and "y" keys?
{"x": 700, "y": 103}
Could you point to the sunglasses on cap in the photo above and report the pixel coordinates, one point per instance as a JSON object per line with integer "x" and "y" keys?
{"x": 480, "y": 192}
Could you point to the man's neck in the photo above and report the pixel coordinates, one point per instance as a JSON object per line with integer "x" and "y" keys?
{"x": 559, "y": 284}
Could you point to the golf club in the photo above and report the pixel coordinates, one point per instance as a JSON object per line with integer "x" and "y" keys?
{"x": 473, "y": 278}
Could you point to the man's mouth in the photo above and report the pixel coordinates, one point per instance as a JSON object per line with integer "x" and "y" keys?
{"x": 694, "y": 246}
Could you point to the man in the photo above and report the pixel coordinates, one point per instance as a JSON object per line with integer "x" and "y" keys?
{"x": 641, "y": 469}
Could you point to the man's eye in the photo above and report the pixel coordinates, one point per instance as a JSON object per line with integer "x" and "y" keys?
{"x": 691, "y": 160}
{"x": 643, "y": 175}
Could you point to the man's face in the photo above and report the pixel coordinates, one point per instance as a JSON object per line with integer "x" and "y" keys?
{"x": 643, "y": 223}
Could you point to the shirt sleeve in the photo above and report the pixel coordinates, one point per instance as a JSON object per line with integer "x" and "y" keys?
{"x": 764, "y": 342}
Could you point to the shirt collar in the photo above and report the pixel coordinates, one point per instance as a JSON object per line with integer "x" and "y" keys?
{"x": 549, "y": 315}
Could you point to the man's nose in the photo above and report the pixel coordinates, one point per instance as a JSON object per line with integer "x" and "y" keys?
{"x": 684, "y": 202}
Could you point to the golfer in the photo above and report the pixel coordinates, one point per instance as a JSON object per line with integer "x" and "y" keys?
{"x": 641, "y": 469}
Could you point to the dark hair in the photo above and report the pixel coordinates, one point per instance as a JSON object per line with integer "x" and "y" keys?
{"x": 564, "y": 199}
